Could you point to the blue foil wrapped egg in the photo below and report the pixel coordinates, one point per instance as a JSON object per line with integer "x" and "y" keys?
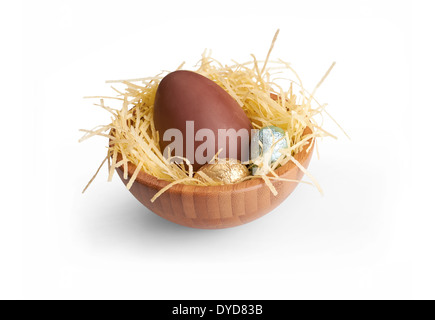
{"x": 267, "y": 143}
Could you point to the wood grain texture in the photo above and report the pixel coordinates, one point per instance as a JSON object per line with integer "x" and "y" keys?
{"x": 215, "y": 207}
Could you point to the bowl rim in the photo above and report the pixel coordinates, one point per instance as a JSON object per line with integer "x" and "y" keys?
{"x": 157, "y": 184}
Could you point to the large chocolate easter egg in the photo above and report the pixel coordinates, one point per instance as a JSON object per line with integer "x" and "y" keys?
{"x": 196, "y": 118}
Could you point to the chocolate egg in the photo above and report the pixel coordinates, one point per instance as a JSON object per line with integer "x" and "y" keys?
{"x": 224, "y": 171}
{"x": 272, "y": 141}
{"x": 205, "y": 115}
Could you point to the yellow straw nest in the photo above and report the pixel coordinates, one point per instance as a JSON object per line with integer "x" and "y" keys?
{"x": 134, "y": 138}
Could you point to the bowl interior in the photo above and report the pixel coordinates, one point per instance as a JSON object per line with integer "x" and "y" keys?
{"x": 151, "y": 181}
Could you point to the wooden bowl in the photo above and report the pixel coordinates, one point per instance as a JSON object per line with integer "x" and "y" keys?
{"x": 215, "y": 207}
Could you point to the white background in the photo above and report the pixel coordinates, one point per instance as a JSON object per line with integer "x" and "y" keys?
{"x": 369, "y": 237}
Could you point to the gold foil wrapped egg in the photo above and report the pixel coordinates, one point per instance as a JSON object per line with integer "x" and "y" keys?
{"x": 223, "y": 171}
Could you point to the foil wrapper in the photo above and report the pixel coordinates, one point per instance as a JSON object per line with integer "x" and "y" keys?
{"x": 224, "y": 171}
{"x": 272, "y": 141}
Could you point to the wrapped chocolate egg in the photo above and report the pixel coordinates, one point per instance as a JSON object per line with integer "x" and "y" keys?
{"x": 267, "y": 142}
{"x": 223, "y": 171}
